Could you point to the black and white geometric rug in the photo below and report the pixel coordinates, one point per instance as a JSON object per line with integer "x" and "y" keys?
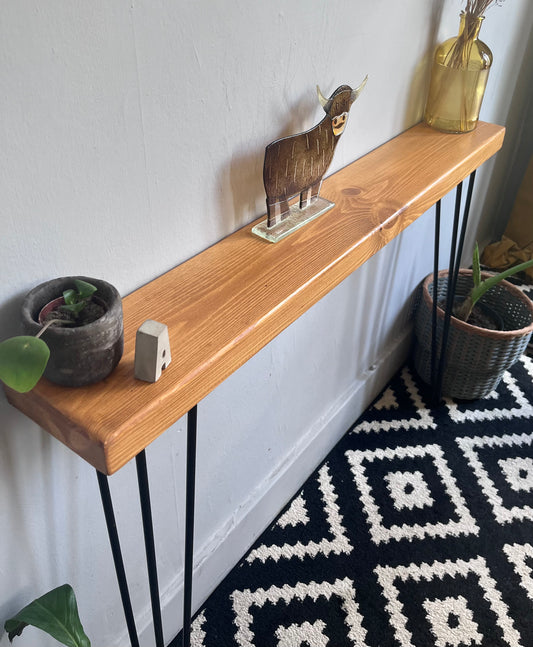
{"x": 416, "y": 531}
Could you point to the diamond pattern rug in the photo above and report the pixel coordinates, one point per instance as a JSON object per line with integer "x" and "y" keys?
{"x": 416, "y": 531}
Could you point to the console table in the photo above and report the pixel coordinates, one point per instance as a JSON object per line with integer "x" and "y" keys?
{"x": 226, "y": 303}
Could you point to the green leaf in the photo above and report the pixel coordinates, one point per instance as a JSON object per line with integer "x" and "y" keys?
{"x": 487, "y": 284}
{"x": 75, "y": 308}
{"x": 22, "y": 362}
{"x": 84, "y": 289}
{"x": 70, "y": 296}
{"x": 55, "y": 613}
{"x": 476, "y": 267}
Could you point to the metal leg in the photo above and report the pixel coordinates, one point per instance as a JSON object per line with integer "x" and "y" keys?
{"x": 463, "y": 232}
{"x": 462, "y": 236}
{"x": 453, "y": 272}
{"x": 192, "y": 418}
{"x": 453, "y": 266}
{"x": 437, "y": 387}
{"x": 435, "y": 294}
{"x": 117, "y": 557}
{"x": 144, "y": 493}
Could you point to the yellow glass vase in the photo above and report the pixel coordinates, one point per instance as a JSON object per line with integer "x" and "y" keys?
{"x": 458, "y": 79}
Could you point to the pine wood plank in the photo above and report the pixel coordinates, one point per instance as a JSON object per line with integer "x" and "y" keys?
{"x": 226, "y": 303}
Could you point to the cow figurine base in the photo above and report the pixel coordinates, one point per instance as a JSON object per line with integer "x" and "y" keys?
{"x": 296, "y": 218}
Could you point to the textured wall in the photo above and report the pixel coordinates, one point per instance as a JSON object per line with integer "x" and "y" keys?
{"x": 132, "y": 137}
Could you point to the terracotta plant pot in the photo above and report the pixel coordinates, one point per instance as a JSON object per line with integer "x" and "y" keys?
{"x": 476, "y": 357}
{"x": 78, "y": 355}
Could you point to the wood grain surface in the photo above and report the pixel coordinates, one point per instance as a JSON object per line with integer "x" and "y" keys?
{"x": 222, "y": 306}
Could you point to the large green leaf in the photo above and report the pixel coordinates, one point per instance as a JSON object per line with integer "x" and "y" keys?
{"x": 56, "y": 613}
{"x": 22, "y": 362}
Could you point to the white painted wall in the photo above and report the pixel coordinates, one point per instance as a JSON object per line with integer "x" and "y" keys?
{"x": 132, "y": 137}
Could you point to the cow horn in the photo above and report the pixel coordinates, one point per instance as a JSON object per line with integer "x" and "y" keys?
{"x": 325, "y": 103}
{"x": 358, "y": 90}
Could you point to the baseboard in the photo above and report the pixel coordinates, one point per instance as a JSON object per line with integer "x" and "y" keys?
{"x": 216, "y": 557}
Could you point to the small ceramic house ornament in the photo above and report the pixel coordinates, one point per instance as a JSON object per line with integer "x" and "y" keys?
{"x": 294, "y": 166}
{"x": 152, "y": 351}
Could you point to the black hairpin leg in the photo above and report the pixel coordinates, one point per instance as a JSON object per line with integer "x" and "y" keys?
{"x": 456, "y": 251}
{"x": 144, "y": 493}
{"x": 192, "y": 418}
{"x": 435, "y": 295}
{"x": 117, "y": 557}
{"x": 437, "y": 385}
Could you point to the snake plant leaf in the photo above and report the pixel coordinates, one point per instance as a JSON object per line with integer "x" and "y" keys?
{"x": 22, "y": 362}
{"x": 464, "y": 310}
{"x": 476, "y": 267}
{"x": 55, "y": 613}
{"x": 479, "y": 290}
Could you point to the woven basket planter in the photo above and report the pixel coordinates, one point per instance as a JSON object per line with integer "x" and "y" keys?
{"x": 476, "y": 358}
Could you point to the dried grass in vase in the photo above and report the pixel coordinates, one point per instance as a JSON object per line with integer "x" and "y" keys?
{"x": 474, "y": 12}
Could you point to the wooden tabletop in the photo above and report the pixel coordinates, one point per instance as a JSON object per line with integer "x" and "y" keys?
{"x": 222, "y": 306}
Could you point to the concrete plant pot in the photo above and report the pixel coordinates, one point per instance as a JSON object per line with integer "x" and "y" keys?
{"x": 78, "y": 355}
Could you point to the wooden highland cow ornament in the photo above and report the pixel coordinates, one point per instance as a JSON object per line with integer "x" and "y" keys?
{"x": 295, "y": 165}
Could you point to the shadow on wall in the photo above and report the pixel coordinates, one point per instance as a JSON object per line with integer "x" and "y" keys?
{"x": 246, "y": 186}
{"x": 416, "y": 100}
{"x": 10, "y": 317}
{"x": 245, "y": 170}
{"x": 510, "y": 165}
{"x": 25, "y": 450}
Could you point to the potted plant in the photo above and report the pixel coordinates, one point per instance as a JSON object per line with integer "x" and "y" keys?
{"x": 73, "y": 334}
{"x": 490, "y": 327}
{"x": 55, "y": 613}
